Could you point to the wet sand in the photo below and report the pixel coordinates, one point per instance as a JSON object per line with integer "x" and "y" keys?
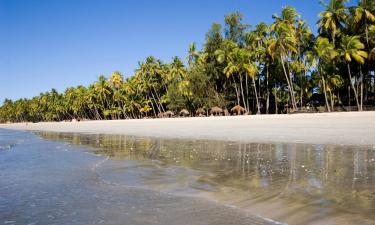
{"x": 45, "y": 182}
{"x": 349, "y": 128}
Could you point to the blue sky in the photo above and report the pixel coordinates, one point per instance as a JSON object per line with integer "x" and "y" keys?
{"x": 56, "y": 44}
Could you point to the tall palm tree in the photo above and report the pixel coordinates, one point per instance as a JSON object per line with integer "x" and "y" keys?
{"x": 363, "y": 14}
{"x": 116, "y": 80}
{"x": 251, "y": 70}
{"x": 193, "y": 54}
{"x": 352, "y": 48}
{"x": 176, "y": 70}
{"x": 102, "y": 92}
{"x": 332, "y": 19}
{"x": 325, "y": 52}
{"x": 285, "y": 44}
{"x": 256, "y": 44}
{"x": 225, "y": 56}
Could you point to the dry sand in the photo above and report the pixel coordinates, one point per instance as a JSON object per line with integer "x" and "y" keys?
{"x": 349, "y": 128}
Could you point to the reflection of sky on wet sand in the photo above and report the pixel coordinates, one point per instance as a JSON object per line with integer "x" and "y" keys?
{"x": 297, "y": 183}
{"x": 44, "y": 182}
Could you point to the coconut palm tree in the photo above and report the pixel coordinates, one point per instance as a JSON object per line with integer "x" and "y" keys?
{"x": 326, "y": 53}
{"x": 352, "y": 48}
{"x": 252, "y": 70}
{"x": 225, "y": 56}
{"x": 116, "y": 80}
{"x": 284, "y": 44}
{"x": 176, "y": 70}
{"x": 193, "y": 54}
{"x": 333, "y": 18}
{"x": 364, "y": 14}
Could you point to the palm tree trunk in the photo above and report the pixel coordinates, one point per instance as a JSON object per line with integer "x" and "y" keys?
{"x": 294, "y": 102}
{"x": 354, "y": 89}
{"x": 268, "y": 91}
{"x": 153, "y": 109}
{"x": 158, "y": 97}
{"x": 288, "y": 82}
{"x": 349, "y": 97}
{"x": 247, "y": 92}
{"x": 361, "y": 87}
{"x": 301, "y": 104}
{"x": 242, "y": 92}
{"x": 331, "y": 99}
{"x": 366, "y": 31}
{"x": 276, "y": 109}
{"x": 301, "y": 98}
{"x": 325, "y": 94}
{"x": 153, "y": 97}
{"x": 235, "y": 87}
{"x": 256, "y": 95}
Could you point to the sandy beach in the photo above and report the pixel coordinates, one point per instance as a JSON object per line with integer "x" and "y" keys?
{"x": 349, "y": 128}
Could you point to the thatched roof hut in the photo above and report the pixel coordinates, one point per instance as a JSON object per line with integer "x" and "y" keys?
{"x": 200, "y": 111}
{"x": 216, "y": 110}
{"x": 238, "y": 110}
{"x": 169, "y": 113}
{"x": 184, "y": 112}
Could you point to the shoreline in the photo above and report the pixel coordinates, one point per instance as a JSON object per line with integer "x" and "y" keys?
{"x": 343, "y": 128}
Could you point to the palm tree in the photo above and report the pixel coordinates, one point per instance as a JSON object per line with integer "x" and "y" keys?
{"x": 333, "y": 81}
{"x": 102, "y": 92}
{"x": 325, "y": 51}
{"x": 352, "y": 48}
{"x": 285, "y": 44}
{"x": 252, "y": 70}
{"x": 225, "y": 56}
{"x": 333, "y": 18}
{"x": 305, "y": 40}
{"x": 364, "y": 15}
{"x": 150, "y": 75}
{"x": 176, "y": 70}
{"x": 193, "y": 54}
{"x": 116, "y": 80}
{"x": 256, "y": 44}
{"x": 372, "y": 40}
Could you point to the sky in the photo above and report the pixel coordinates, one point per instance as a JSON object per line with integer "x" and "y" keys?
{"x": 48, "y": 44}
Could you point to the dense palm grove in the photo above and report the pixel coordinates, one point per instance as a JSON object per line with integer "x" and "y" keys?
{"x": 276, "y": 68}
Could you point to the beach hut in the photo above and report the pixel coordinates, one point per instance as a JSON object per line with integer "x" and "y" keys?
{"x": 216, "y": 111}
{"x": 200, "y": 112}
{"x": 168, "y": 114}
{"x": 238, "y": 110}
{"x": 184, "y": 113}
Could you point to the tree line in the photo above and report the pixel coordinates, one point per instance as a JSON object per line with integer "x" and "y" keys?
{"x": 266, "y": 68}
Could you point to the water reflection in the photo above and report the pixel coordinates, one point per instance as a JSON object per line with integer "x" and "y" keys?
{"x": 317, "y": 180}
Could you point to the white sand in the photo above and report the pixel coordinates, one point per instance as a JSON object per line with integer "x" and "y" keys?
{"x": 351, "y": 128}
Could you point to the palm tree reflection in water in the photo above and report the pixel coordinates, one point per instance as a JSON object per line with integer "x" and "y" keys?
{"x": 331, "y": 177}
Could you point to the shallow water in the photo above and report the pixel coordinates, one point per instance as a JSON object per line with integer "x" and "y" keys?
{"x": 44, "y": 182}
{"x": 173, "y": 181}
